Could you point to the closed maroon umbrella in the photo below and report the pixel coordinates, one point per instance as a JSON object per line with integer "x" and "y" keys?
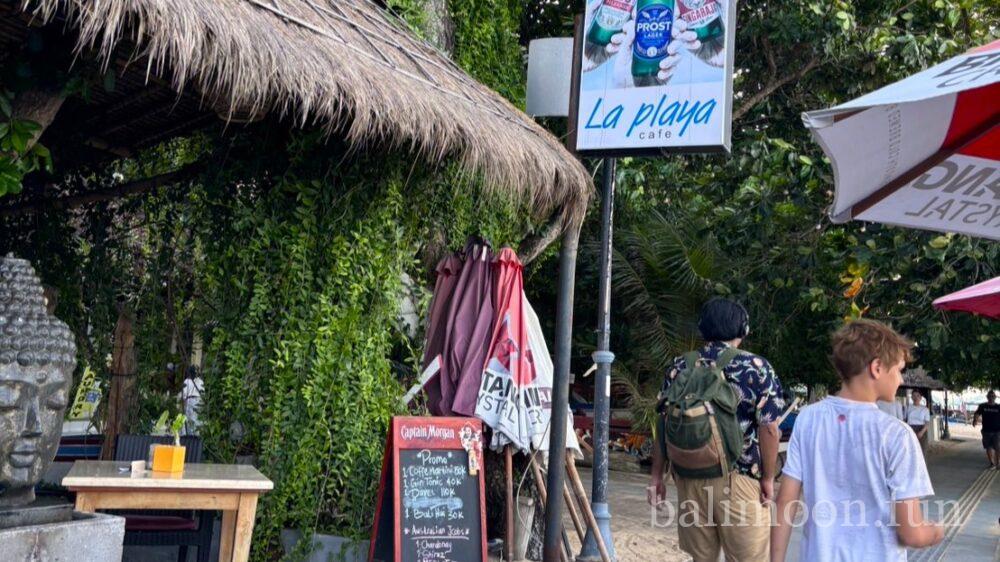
{"x": 982, "y": 299}
{"x": 444, "y": 290}
{"x": 467, "y": 337}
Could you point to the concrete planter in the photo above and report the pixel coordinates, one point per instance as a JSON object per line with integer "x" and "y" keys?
{"x": 327, "y": 548}
{"x": 87, "y": 537}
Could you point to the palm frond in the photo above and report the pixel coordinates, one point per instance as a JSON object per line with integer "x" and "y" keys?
{"x": 662, "y": 271}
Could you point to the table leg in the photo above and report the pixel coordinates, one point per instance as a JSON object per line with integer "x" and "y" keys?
{"x": 244, "y": 526}
{"x": 226, "y": 535}
{"x": 84, "y": 502}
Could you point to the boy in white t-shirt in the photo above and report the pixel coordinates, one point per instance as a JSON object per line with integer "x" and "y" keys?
{"x": 860, "y": 471}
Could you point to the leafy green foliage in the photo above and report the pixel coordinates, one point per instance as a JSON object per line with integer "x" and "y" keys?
{"x": 289, "y": 262}
{"x": 487, "y": 44}
{"x": 18, "y": 156}
{"x": 306, "y": 277}
{"x": 765, "y": 203}
{"x": 176, "y": 426}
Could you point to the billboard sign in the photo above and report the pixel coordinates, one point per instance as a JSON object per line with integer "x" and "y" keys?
{"x": 656, "y": 76}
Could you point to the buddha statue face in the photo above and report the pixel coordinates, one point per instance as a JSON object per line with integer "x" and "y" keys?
{"x": 32, "y": 404}
{"x": 37, "y": 358}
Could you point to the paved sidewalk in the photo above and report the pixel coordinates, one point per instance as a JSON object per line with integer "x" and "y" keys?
{"x": 960, "y": 475}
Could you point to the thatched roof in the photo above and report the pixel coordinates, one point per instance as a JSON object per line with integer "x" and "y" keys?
{"x": 345, "y": 65}
{"x": 918, "y": 378}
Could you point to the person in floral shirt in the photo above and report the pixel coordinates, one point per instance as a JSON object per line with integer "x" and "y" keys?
{"x": 725, "y": 323}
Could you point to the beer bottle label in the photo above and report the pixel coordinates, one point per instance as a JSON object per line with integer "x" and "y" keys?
{"x": 698, "y": 13}
{"x": 612, "y": 14}
{"x": 652, "y": 32}
{"x": 610, "y": 18}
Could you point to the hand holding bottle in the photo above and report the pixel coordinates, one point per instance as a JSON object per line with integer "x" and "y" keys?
{"x": 604, "y": 31}
{"x": 708, "y": 40}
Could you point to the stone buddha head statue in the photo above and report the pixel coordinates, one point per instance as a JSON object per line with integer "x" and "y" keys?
{"x": 37, "y": 358}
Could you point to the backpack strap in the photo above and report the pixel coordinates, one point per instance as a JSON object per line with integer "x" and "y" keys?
{"x": 691, "y": 359}
{"x": 717, "y": 440}
{"x": 726, "y": 357}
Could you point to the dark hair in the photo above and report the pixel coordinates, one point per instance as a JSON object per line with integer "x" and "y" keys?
{"x": 723, "y": 320}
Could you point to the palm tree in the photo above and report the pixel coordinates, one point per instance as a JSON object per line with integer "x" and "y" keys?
{"x": 664, "y": 268}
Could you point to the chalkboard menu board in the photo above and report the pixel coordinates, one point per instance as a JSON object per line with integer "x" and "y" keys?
{"x": 431, "y": 497}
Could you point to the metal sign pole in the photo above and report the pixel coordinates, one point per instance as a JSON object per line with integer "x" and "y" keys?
{"x": 602, "y": 382}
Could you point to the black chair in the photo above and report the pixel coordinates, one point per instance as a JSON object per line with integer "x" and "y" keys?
{"x": 162, "y": 527}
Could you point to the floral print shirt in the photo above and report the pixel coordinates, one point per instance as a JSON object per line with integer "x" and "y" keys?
{"x": 760, "y": 398}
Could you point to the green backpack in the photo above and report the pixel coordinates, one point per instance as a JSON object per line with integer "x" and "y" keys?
{"x": 697, "y": 426}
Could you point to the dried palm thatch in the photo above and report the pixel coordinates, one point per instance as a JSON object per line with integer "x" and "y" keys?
{"x": 918, "y": 378}
{"x": 345, "y": 65}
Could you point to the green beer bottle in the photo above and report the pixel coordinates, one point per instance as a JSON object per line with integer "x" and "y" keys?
{"x": 653, "y": 22}
{"x": 608, "y": 21}
{"x": 704, "y": 17}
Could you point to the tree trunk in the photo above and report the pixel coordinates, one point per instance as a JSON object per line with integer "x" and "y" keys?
{"x": 122, "y": 395}
{"x": 39, "y": 106}
{"x": 440, "y": 28}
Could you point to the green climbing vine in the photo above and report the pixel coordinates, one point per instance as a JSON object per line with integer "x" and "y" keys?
{"x": 307, "y": 274}
{"x": 487, "y": 44}
{"x": 288, "y": 256}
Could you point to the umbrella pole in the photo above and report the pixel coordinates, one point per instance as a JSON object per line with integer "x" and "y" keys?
{"x": 946, "y": 434}
{"x": 560, "y": 391}
{"x": 536, "y": 473}
{"x": 581, "y": 494}
{"x": 508, "y": 462}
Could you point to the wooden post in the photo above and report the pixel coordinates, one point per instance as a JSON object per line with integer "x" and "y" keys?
{"x": 571, "y": 507}
{"x": 122, "y": 394}
{"x": 536, "y": 473}
{"x": 508, "y": 541}
{"x": 574, "y": 84}
{"x": 581, "y": 495}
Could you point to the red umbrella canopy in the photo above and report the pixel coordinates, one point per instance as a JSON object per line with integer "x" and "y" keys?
{"x": 509, "y": 346}
{"x": 982, "y": 299}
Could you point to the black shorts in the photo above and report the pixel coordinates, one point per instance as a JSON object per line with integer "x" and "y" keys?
{"x": 991, "y": 440}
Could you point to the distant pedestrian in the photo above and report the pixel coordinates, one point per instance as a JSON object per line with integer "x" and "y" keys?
{"x": 728, "y": 512}
{"x": 989, "y": 412}
{"x": 191, "y": 400}
{"x": 860, "y": 472}
{"x": 918, "y": 417}
{"x": 891, "y": 407}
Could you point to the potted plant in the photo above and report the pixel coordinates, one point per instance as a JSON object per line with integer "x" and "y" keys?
{"x": 170, "y": 458}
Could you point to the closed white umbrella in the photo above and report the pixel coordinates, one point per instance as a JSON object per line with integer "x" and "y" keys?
{"x": 923, "y": 152}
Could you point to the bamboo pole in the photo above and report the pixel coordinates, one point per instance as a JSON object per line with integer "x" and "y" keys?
{"x": 581, "y": 495}
{"x": 573, "y": 513}
{"x": 536, "y": 473}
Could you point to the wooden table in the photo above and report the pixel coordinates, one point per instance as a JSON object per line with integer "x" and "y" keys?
{"x": 230, "y": 488}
